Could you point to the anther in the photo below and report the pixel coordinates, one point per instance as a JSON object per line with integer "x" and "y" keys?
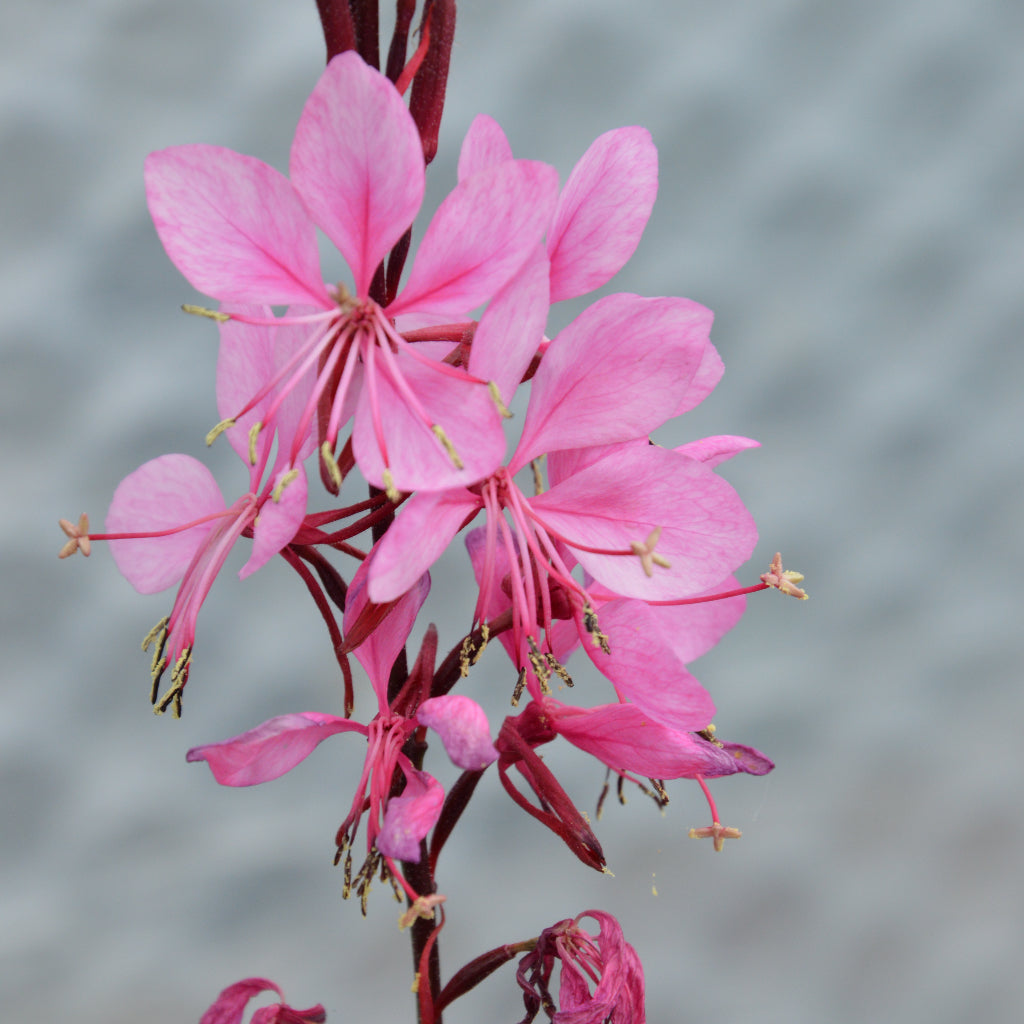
{"x": 517, "y": 693}
{"x": 327, "y": 455}
{"x": 448, "y": 446}
{"x": 218, "y": 430}
{"x": 496, "y": 398}
{"x": 285, "y": 481}
{"x": 590, "y": 624}
{"x": 389, "y": 486}
{"x": 538, "y": 479}
{"x": 254, "y": 433}
{"x": 210, "y": 314}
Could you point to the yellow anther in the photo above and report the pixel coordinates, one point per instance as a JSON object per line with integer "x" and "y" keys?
{"x": 448, "y": 446}
{"x": 389, "y": 486}
{"x": 327, "y": 455}
{"x": 285, "y": 481}
{"x": 210, "y": 314}
{"x": 496, "y": 398}
{"x": 538, "y": 477}
{"x": 218, "y": 430}
{"x": 254, "y": 433}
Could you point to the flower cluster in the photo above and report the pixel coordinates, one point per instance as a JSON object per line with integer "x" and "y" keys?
{"x": 586, "y": 535}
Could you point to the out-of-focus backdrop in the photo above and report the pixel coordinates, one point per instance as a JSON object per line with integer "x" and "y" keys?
{"x": 843, "y": 183}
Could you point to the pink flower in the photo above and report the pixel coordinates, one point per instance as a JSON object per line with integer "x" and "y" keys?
{"x": 229, "y": 1006}
{"x": 601, "y": 980}
{"x": 395, "y": 824}
{"x": 242, "y": 232}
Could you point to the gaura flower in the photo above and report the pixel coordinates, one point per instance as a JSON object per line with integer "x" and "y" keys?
{"x": 242, "y": 233}
{"x": 601, "y": 979}
{"x": 229, "y": 1006}
{"x": 395, "y": 824}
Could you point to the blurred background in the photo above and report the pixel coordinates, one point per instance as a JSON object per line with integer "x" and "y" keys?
{"x": 842, "y": 183}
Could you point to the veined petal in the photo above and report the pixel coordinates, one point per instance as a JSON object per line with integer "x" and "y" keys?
{"x": 234, "y": 226}
{"x": 377, "y": 653}
{"x": 409, "y": 817}
{"x": 358, "y": 164}
{"x": 602, "y": 211}
{"x": 646, "y": 671}
{"x": 625, "y": 738}
{"x": 230, "y": 1004}
{"x": 704, "y": 381}
{"x": 162, "y": 494}
{"x": 613, "y": 374}
{"x": 512, "y": 328}
{"x": 484, "y": 146}
{"x": 416, "y": 539}
{"x": 271, "y": 749}
{"x": 416, "y": 458}
{"x": 278, "y": 521}
{"x": 713, "y": 451}
{"x": 706, "y": 532}
{"x": 479, "y": 238}
{"x": 463, "y": 728}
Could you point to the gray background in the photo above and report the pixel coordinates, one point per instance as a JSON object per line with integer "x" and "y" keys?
{"x": 842, "y": 183}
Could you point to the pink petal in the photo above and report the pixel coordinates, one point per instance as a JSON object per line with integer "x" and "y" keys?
{"x": 230, "y": 1004}
{"x": 713, "y": 451}
{"x": 613, "y": 374}
{"x": 625, "y": 738}
{"x": 358, "y": 164}
{"x": 484, "y": 146}
{"x": 162, "y": 494}
{"x": 602, "y": 211}
{"x": 234, "y": 226}
{"x": 463, "y": 728}
{"x": 479, "y": 238}
{"x": 277, "y": 521}
{"x": 570, "y": 461}
{"x": 409, "y": 817}
{"x": 706, "y": 531}
{"x": 704, "y": 381}
{"x": 512, "y": 328}
{"x": 749, "y": 760}
{"x": 693, "y": 629}
{"x": 647, "y": 672}
{"x": 420, "y": 533}
{"x": 377, "y": 653}
{"x": 271, "y": 749}
{"x": 462, "y": 407}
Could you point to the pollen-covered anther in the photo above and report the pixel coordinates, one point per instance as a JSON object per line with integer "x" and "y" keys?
{"x": 422, "y": 906}
{"x": 291, "y": 475}
{"x": 78, "y": 537}
{"x": 645, "y": 552}
{"x": 517, "y": 693}
{"x": 210, "y": 314}
{"x": 254, "y": 433}
{"x": 327, "y": 456}
{"x": 496, "y": 398}
{"x": 590, "y": 624}
{"x": 448, "y": 446}
{"x": 717, "y": 832}
{"x": 784, "y": 580}
{"x": 218, "y": 430}
{"x": 179, "y": 677}
{"x": 389, "y": 486}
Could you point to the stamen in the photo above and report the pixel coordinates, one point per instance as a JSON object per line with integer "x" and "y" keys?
{"x": 496, "y": 398}
{"x": 219, "y": 429}
{"x": 538, "y": 479}
{"x": 330, "y": 462}
{"x": 285, "y": 481}
{"x": 590, "y": 625}
{"x": 517, "y": 693}
{"x": 448, "y": 446}
{"x": 389, "y": 486}
{"x": 254, "y": 432}
{"x": 210, "y": 314}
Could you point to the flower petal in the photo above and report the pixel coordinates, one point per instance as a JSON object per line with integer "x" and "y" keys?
{"x": 162, "y": 494}
{"x": 271, "y": 749}
{"x": 479, "y": 238}
{"x": 613, "y": 374}
{"x": 463, "y": 728}
{"x": 416, "y": 539}
{"x": 409, "y": 817}
{"x": 278, "y": 520}
{"x": 358, "y": 164}
{"x": 602, "y": 211}
{"x": 234, "y": 226}
{"x": 484, "y": 146}
{"x": 705, "y": 530}
{"x": 230, "y": 1005}
{"x": 713, "y": 451}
